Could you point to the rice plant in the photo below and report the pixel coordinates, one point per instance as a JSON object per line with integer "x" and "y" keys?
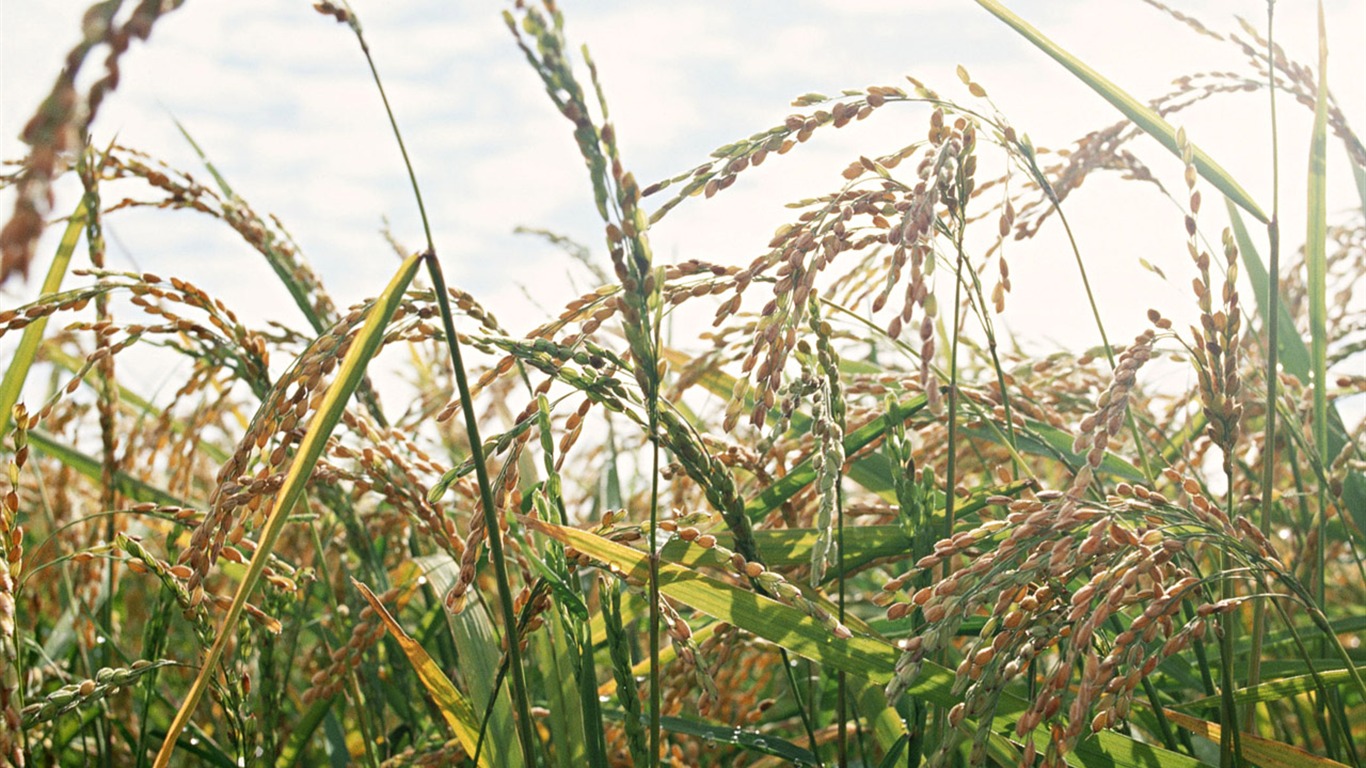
{"x": 848, "y": 523}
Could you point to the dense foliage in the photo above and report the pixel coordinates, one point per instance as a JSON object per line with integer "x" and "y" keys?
{"x": 812, "y": 533}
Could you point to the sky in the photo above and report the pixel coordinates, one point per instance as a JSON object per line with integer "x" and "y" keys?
{"x": 281, "y": 100}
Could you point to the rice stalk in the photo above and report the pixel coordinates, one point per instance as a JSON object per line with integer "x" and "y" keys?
{"x": 328, "y": 414}
{"x": 1027, "y": 535}
{"x": 1272, "y": 328}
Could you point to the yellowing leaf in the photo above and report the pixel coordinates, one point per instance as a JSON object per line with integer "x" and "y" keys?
{"x": 453, "y": 705}
{"x": 1258, "y": 749}
{"x": 349, "y": 376}
{"x": 763, "y": 616}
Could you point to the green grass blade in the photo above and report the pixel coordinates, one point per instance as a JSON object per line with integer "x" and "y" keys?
{"x": 1315, "y": 257}
{"x": 278, "y": 263}
{"x": 363, "y": 348}
{"x": 90, "y": 467}
{"x": 1283, "y": 687}
{"x": 1143, "y": 116}
{"x": 17, "y": 371}
{"x": 868, "y": 471}
{"x": 1040, "y": 439}
{"x": 804, "y": 474}
{"x": 1260, "y": 751}
{"x": 566, "y": 715}
{"x": 480, "y": 655}
{"x": 135, "y": 402}
{"x": 864, "y": 656}
{"x": 886, "y": 725}
{"x": 1295, "y": 357}
{"x": 1315, "y": 246}
{"x": 871, "y": 472}
{"x": 791, "y": 547}
{"x": 301, "y": 730}
{"x": 1293, "y": 354}
{"x": 753, "y": 741}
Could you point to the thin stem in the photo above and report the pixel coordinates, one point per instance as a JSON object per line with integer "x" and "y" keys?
{"x": 1016, "y": 461}
{"x": 950, "y": 469}
{"x": 1164, "y": 728}
{"x": 1272, "y": 323}
{"x": 805, "y": 716}
{"x": 652, "y": 412}
{"x": 842, "y": 688}
{"x": 1086, "y": 285}
{"x": 1321, "y": 710}
{"x": 492, "y": 528}
{"x": 1230, "y": 742}
{"x": 655, "y": 698}
{"x": 107, "y": 394}
{"x": 353, "y": 676}
{"x": 398, "y": 135}
{"x": 1100, "y": 326}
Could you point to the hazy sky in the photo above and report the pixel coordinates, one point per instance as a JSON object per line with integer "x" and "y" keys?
{"x": 281, "y": 100}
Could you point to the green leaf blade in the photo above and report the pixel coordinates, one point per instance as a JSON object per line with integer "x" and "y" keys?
{"x": 1140, "y": 114}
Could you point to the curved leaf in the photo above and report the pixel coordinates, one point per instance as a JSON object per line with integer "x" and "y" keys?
{"x": 1143, "y": 116}
{"x": 352, "y": 371}
{"x": 868, "y": 657}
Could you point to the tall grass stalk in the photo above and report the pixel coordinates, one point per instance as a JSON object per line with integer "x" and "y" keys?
{"x": 1315, "y": 260}
{"x": 1271, "y": 325}
{"x": 491, "y": 524}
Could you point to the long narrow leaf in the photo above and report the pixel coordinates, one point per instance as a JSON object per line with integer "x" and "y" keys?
{"x": 1260, "y": 750}
{"x": 1040, "y": 439}
{"x": 278, "y": 263}
{"x": 1143, "y": 116}
{"x": 805, "y": 473}
{"x": 1315, "y": 251}
{"x": 311, "y": 447}
{"x": 455, "y": 708}
{"x": 765, "y": 617}
{"x": 788, "y": 547}
{"x": 17, "y": 370}
{"x": 90, "y": 467}
{"x": 477, "y": 647}
{"x": 869, "y": 471}
{"x": 1292, "y": 353}
{"x": 1295, "y": 357}
{"x": 737, "y": 736}
{"x": 135, "y": 403}
{"x": 1283, "y": 688}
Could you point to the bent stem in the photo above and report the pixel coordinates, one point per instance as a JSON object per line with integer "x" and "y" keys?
{"x": 491, "y": 524}
{"x": 492, "y": 527}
